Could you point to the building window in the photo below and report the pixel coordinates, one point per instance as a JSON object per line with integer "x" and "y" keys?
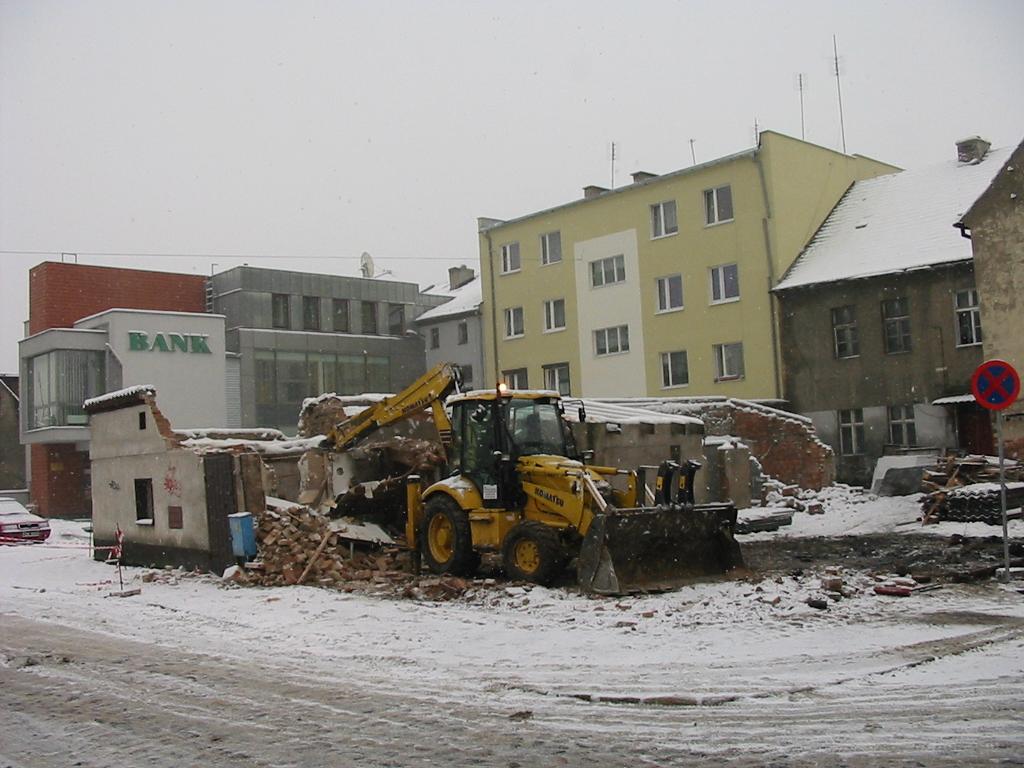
{"x": 435, "y": 338}
{"x": 902, "y": 430}
{"x": 551, "y": 248}
{"x": 514, "y": 322}
{"x": 844, "y": 332}
{"x": 554, "y": 315}
{"x": 396, "y": 319}
{"x": 279, "y": 310}
{"x": 368, "y": 311}
{"x": 144, "y": 500}
{"x": 339, "y": 314}
{"x": 311, "y": 313}
{"x": 725, "y": 283}
{"x": 467, "y": 377}
{"x": 896, "y": 319}
{"x": 663, "y": 219}
{"x": 175, "y": 518}
{"x": 510, "y": 258}
{"x": 142, "y": 419}
{"x": 556, "y": 377}
{"x": 968, "y": 318}
{"x": 851, "y": 432}
{"x": 670, "y": 293}
{"x": 58, "y": 383}
{"x": 463, "y": 329}
{"x": 718, "y": 205}
{"x": 608, "y": 271}
{"x": 610, "y": 341}
{"x": 674, "y": 369}
{"x": 728, "y": 361}
{"x": 516, "y": 378}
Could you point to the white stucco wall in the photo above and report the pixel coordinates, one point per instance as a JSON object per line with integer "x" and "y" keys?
{"x": 121, "y": 453}
{"x": 620, "y": 374}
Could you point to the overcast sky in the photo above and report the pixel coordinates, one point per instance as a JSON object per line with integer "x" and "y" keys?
{"x": 234, "y": 130}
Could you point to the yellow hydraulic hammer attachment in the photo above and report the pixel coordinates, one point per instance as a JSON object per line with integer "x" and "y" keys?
{"x": 649, "y": 549}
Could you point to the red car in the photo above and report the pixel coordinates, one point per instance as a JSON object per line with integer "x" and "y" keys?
{"x": 19, "y": 526}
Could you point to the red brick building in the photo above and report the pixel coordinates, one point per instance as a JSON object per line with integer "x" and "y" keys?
{"x": 61, "y": 294}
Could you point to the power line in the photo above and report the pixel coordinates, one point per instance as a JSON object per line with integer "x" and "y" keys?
{"x": 252, "y": 256}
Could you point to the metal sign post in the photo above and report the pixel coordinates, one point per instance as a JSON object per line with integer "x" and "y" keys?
{"x": 995, "y": 385}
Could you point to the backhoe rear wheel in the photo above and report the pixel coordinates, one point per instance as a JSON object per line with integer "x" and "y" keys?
{"x": 446, "y": 540}
{"x": 533, "y": 552}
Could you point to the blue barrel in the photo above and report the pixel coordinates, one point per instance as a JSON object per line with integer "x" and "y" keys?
{"x": 243, "y": 535}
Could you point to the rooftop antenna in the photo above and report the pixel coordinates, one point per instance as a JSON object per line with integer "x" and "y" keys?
{"x": 839, "y": 91}
{"x": 693, "y": 155}
{"x": 366, "y": 264}
{"x": 800, "y": 87}
{"x": 613, "y": 165}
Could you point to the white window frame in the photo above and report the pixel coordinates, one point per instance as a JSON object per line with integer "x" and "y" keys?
{"x": 722, "y": 371}
{"x": 851, "y": 431}
{"x": 667, "y": 379}
{"x": 716, "y": 277}
{"x": 901, "y": 417}
{"x": 845, "y": 334}
{"x": 659, "y": 229}
{"x": 514, "y": 330}
{"x": 549, "y": 316}
{"x": 511, "y": 258}
{"x": 899, "y": 324}
{"x": 618, "y": 268}
{"x": 545, "y": 247}
{"x": 512, "y": 379}
{"x": 972, "y": 311}
{"x": 712, "y": 205}
{"x": 617, "y": 333}
{"x": 665, "y": 294}
{"x": 554, "y": 379}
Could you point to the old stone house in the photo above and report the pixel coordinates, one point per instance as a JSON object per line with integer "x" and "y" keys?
{"x": 881, "y": 321}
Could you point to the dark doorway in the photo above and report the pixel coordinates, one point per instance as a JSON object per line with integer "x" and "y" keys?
{"x": 974, "y": 429}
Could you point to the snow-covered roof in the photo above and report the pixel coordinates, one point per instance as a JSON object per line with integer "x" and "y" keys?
{"x": 614, "y": 413}
{"x": 119, "y": 398}
{"x": 953, "y": 400}
{"x": 465, "y": 298}
{"x": 896, "y": 223}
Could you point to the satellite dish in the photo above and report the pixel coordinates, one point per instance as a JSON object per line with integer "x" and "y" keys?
{"x": 366, "y": 264}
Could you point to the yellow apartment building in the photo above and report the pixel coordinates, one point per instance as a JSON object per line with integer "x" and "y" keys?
{"x": 661, "y": 287}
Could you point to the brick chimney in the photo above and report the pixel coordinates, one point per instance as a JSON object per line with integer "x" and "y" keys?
{"x": 459, "y": 276}
{"x": 972, "y": 149}
{"x": 592, "y": 191}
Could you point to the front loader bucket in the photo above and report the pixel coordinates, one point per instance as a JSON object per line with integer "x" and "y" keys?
{"x": 650, "y": 549}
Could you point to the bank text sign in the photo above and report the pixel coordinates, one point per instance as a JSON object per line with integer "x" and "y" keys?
{"x": 140, "y": 341}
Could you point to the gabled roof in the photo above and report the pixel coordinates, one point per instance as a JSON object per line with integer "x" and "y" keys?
{"x": 465, "y": 299}
{"x": 896, "y": 223}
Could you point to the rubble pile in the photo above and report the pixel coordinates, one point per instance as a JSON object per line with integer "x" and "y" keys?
{"x": 966, "y": 489}
{"x": 298, "y": 546}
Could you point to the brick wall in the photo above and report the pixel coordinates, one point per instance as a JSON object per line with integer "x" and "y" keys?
{"x": 60, "y": 480}
{"x": 61, "y": 294}
{"x": 785, "y": 444}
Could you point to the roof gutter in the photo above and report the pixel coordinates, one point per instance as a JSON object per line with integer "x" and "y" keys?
{"x": 963, "y": 230}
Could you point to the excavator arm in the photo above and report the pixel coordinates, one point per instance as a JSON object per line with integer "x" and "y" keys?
{"x": 429, "y": 390}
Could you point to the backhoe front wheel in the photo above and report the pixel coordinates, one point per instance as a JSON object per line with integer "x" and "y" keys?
{"x": 446, "y": 540}
{"x": 533, "y": 552}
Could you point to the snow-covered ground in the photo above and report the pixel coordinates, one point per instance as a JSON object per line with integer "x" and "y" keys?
{"x": 637, "y": 667}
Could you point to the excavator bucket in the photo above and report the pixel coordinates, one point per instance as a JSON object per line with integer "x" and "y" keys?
{"x": 651, "y": 549}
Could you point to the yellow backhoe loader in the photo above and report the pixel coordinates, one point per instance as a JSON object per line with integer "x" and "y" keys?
{"x": 517, "y": 485}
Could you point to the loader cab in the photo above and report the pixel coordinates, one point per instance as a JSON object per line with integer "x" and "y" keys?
{"x": 489, "y": 433}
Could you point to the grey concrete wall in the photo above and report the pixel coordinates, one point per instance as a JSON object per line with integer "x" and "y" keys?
{"x": 12, "y": 455}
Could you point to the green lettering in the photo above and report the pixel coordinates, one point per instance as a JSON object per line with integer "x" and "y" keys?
{"x": 160, "y": 343}
{"x": 178, "y": 342}
{"x": 137, "y": 341}
{"x": 199, "y": 344}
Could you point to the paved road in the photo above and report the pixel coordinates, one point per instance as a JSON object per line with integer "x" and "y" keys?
{"x": 70, "y": 697}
